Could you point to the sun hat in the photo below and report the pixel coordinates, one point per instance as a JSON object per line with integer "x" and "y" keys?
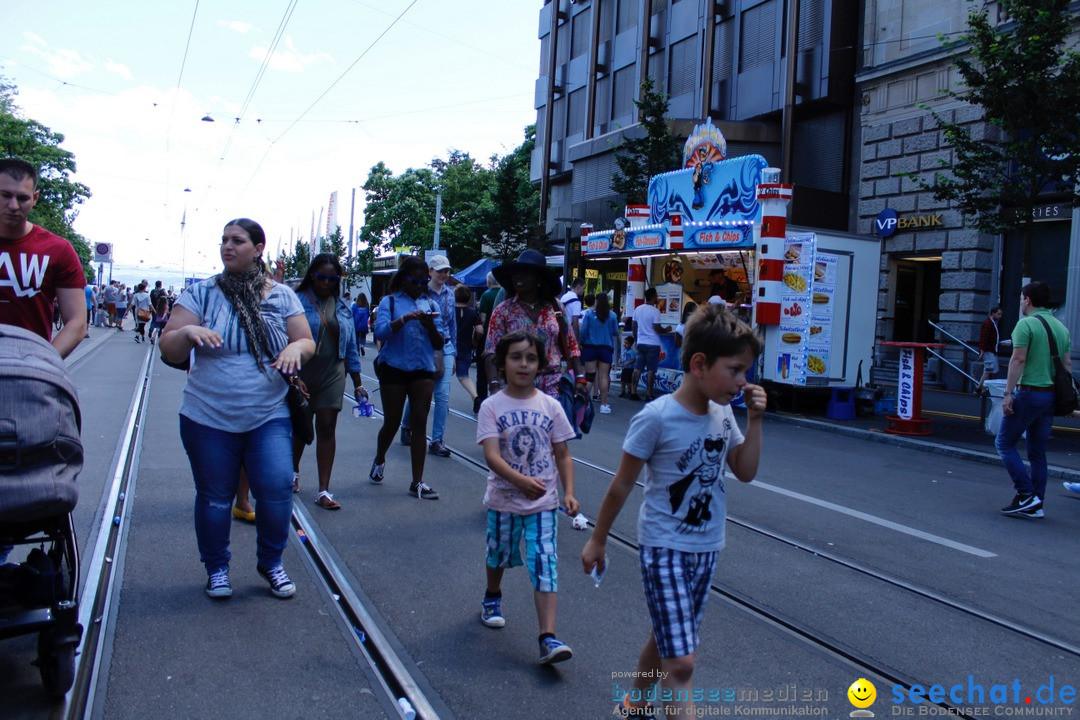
{"x": 529, "y": 261}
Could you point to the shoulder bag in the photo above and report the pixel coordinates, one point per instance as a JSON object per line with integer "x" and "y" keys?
{"x": 1065, "y": 397}
{"x": 300, "y": 413}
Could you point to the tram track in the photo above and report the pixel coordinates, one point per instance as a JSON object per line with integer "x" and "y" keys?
{"x": 862, "y": 569}
{"x": 804, "y": 633}
{"x": 100, "y": 592}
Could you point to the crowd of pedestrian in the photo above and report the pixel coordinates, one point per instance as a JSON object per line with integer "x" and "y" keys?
{"x": 249, "y": 341}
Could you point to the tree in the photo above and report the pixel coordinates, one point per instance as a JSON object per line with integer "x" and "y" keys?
{"x": 466, "y": 189}
{"x": 640, "y": 158}
{"x": 33, "y": 142}
{"x": 515, "y": 202}
{"x": 1027, "y": 83}
{"x": 400, "y": 211}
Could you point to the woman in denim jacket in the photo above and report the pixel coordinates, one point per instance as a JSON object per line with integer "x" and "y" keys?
{"x": 323, "y": 375}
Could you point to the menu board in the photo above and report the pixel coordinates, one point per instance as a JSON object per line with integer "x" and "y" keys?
{"x": 669, "y": 303}
{"x": 807, "y": 302}
{"x": 822, "y": 301}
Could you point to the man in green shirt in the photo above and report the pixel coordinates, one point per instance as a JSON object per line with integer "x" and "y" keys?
{"x": 1029, "y": 398}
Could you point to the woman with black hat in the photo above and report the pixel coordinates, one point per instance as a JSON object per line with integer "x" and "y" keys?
{"x": 532, "y": 304}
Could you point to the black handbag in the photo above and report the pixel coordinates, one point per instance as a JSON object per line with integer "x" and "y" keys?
{"x": 300, "y": 413}
{"x": 1065, "y": 397}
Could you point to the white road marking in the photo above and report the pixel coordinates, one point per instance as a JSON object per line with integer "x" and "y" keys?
{"x": 977, "y": 552}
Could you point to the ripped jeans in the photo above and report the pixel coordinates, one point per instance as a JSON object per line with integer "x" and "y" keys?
{"x": 216, "y": 457}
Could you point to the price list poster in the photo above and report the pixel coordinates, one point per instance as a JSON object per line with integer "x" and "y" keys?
{"x": 795, "y": 309}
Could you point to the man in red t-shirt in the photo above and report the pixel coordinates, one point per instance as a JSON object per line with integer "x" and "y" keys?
{"x": 36, "y": 267}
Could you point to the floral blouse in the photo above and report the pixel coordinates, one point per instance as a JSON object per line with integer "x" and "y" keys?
{"x": 512, "y": 315}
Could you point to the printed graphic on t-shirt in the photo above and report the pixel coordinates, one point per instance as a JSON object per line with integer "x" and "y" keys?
{"x": 27, "y": 282}
{"x": 694, "y": 493}
{"x": 524, "y": 437}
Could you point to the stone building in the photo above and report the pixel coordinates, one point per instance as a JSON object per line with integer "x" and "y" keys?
{"x": 932, "y": 267}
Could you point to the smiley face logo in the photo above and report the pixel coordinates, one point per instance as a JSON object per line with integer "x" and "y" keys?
{"x": 862, "y": 693}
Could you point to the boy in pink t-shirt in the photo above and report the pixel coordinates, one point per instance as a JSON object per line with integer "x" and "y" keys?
{"x": 524, "y": 433}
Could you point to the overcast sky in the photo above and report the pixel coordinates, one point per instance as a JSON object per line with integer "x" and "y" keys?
{"x": 112, "y": 77}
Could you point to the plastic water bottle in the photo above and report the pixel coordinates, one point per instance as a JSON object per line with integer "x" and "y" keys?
{"x": 597, "y": 574}
{"x": 407, "y": 710}
{"x": 363, "y": 409}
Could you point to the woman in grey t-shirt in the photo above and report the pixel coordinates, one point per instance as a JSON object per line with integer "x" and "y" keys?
{"x": 247, "y": 332}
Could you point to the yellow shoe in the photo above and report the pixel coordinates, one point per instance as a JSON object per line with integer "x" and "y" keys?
{"x": 241, "y": 515}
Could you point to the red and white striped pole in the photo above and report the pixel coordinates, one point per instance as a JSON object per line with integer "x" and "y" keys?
{"x": 774, "y": 198}
{"x": 675, "y": 231}
{"x": 635, "y": 285}
{"x": 586, "y": 228}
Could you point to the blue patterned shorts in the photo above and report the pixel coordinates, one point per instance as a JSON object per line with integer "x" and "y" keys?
{"x": 541, "y": 531}
{"x": 676, "y": 587}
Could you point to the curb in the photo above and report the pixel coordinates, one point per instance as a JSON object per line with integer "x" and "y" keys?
{"x": 1053, "y": 471}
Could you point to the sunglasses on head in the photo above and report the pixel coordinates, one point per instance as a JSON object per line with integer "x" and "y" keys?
{"x": 326, "y": 277}
{"x": 413, "y": 280}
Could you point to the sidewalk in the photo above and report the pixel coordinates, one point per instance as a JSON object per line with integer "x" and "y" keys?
{"x": 956, "y": 431}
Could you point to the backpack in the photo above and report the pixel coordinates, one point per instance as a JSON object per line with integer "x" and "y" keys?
{"x": 41, "y": 453}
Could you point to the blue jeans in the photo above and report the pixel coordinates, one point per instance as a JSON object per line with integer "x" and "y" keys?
{"x": 216, "y": 457}
{"x": 442, "y": 401}
{"x": 1033, "y": 412}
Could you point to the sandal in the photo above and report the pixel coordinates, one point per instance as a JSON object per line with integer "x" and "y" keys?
{"x": 326, "y": 501}
{"x": 295, "y": 482}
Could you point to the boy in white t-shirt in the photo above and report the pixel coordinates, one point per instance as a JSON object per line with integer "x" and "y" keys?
{"x": 524, "y": 432}
{"x": 683, "y": 440}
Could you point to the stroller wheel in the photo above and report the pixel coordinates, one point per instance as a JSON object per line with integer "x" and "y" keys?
{"x": 56, "y": 664}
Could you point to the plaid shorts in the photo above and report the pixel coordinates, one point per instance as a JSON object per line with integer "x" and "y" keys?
{"x": 676, "y": 587}
{"x": 541, "y": 530}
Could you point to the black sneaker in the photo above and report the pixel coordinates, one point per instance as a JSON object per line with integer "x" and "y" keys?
{"x": 1021, "y": 503}
{"x": 377, "y": 471}
{"x": 1035, "y": 512}
{"x": 436, "y": 447}
{"x": 218, "y": 585}
{"x": 406, "y": 436}
{"x": 423, "y": 491}
{"x": 280, "y": 584}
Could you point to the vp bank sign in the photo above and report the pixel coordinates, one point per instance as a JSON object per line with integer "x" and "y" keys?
{"x": 888, "y": 222}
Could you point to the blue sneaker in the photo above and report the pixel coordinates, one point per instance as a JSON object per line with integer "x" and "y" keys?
{"x": 218, "y": 585}
{"x": 1072, "y": 486}
{"x": 280, "y": 584}
{"x": 492, "y": 615}
{"x": 553, "y": 650}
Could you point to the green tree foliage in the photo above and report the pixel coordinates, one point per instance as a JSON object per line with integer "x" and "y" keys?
{"x": 512, "y": 220}
{"x": 466, "y": 204}
{"x": 1027, "y": 81}
{"x": 639, "y": 158}
{"x": 33, "y": 142}
{"x": 485, "y": 210}
{"x": 400, "y": 210}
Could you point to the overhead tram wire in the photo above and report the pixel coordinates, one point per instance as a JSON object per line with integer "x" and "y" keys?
{"x": 271, "y": 49}
{"x": 172, "y": 110}
{"x": 326, "y": 91}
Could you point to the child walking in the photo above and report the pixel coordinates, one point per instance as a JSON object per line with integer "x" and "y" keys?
{"x": 628, "y": 359}
{"x": 524, "y": 432}
{"x": 683, "y": 440}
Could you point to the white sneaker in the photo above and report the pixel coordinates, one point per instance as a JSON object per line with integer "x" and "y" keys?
{"x": 605, "y": 409}
{"x": 1072, "y": 486}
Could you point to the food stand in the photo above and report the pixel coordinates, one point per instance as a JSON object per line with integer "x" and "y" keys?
{"x": 707, "y": 217}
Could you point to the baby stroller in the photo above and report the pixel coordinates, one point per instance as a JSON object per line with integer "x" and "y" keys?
{"x": 40, "y": 458}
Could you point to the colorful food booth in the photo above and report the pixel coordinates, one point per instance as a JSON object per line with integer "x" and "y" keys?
{"x": 717, "y": 227}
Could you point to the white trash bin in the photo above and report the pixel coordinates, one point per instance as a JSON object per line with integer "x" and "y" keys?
{"x": 996, "y": 390}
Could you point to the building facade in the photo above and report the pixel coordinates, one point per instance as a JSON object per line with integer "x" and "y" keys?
{"x": 724, "y": 59}
{"x": 933, "y": 268}
{"x": 851, "y": 119}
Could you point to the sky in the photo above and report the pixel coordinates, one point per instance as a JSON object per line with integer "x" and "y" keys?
{"x": 347, "y": 84}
